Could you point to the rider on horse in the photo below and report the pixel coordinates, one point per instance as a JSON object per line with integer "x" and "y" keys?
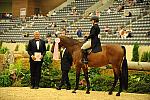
{"x": 92, "y": 41}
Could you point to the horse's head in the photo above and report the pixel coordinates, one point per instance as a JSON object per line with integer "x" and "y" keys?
{"x": 65, "y": 42}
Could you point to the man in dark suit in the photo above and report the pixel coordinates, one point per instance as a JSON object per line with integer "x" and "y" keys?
{"x": 66, "y": 63}
{"x": 36, "y": 49}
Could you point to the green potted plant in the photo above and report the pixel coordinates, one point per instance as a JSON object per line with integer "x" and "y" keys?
{"x": 135, "y": 55}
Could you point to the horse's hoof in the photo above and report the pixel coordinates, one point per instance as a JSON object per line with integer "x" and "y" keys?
{"x": 87, "y": 92}
{"x": 118, "y": 94}
{"x": 110, "y": 93}
{"x": 73, "y": 91}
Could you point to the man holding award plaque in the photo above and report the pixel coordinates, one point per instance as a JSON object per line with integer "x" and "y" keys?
{"x": 36, "y": 50}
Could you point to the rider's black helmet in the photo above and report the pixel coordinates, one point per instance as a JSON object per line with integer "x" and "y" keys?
{"x": 95, "y": 18}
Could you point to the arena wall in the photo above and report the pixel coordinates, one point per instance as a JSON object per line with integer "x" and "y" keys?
{"x": 16, "y": 5}
{"x": 22, "y": 55}
{"x": 129, "y": 48}
{"x": 5, "y": 6}
{"x": 44, "y": 6}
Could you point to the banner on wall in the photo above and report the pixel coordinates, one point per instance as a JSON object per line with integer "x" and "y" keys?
{"x": 22, "y": 12}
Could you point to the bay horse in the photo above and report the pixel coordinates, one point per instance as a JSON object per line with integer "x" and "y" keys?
{"x": 111, "y": 54}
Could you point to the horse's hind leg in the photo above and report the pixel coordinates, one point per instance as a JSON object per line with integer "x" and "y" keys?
{"x": 78, "y": 69}
{"x": 120, "y": 86}
{"x": 116, "y": 76}
{"x": 85, "y": 69}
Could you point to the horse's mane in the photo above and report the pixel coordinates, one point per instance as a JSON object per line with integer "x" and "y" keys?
{"x": 70, "y": 40}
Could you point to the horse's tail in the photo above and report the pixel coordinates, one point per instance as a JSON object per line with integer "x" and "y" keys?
{"x": 124, "y": 71}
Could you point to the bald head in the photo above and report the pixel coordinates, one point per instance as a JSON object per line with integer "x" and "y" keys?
{"x": 36, "y": 35}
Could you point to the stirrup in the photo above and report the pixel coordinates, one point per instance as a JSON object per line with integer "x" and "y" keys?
{"x": 84, "y": 61}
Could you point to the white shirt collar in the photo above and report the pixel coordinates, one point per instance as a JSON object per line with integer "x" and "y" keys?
{"x": 37, "y": 44}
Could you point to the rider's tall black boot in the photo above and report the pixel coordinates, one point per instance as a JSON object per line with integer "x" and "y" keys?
{"x": 84, "y": 56}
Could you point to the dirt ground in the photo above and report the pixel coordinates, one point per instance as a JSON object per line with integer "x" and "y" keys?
{"x": 25, "y": 93}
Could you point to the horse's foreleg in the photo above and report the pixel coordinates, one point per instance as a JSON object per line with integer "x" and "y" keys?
{"x": 87, "y": 79}
{"x": 77, "y": 79}
{"x": 88, "y": 82}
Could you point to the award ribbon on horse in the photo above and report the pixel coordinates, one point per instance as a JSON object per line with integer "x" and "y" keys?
{"x": 56, "y": 52}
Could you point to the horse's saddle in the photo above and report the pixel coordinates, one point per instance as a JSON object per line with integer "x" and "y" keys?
{"x": 89, "y": 50}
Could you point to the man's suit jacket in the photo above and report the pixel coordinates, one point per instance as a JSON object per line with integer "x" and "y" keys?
{"x": 32, "y": 47}
{"x": 66, "y": 60}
